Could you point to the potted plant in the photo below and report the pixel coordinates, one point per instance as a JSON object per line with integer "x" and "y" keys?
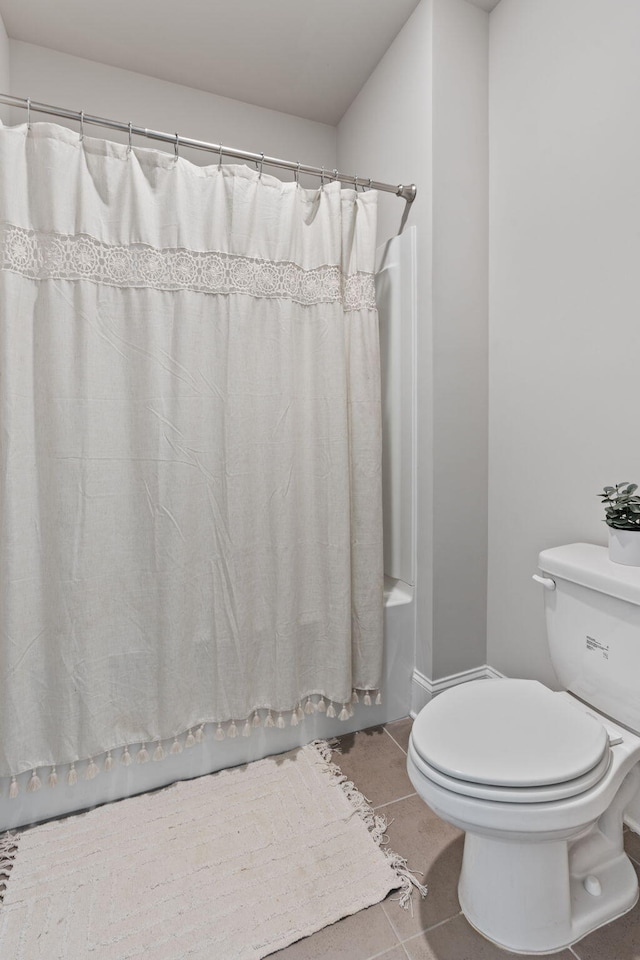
{"x": 622, "y": 516}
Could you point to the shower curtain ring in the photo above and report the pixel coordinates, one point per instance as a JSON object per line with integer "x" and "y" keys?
{"x": 297, "y": 174}
{"x": 355, "y": 182}
{"x": 335, "y": 173}
{"x": 369, "y": 183}
{"x": 175, "y": 147}
{"x": 261, "y": 165}
{"x": 129, "y": 147}
{"x": 28, "y": 113}
{"x": 220, "y": 157}
{"x": 81, "y": 126}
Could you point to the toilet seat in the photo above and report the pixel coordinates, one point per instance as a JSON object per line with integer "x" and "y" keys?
{"x": 509, "y": 740}
{"x": 484, "y": 791}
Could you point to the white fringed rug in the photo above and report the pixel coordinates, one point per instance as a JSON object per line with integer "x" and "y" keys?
{"x": 231, "y": 866}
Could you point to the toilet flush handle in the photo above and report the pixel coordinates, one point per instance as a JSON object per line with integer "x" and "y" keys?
{"x": 546, "y": 582}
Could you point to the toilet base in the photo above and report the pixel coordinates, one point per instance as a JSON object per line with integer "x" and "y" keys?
{"x": 530, "y": 898}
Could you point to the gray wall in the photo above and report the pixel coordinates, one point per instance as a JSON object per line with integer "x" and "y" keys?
{"x": 460, "y": 317}
{"x": 564, "y": 294}
{"x": 80, "y": 84}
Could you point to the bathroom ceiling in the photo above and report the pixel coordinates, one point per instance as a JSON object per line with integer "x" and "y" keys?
{"x": 305, "y": 57}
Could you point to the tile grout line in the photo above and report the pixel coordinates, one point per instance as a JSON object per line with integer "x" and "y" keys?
{"x": 434, "y": 926}
{"x": 375, "y": 956}
{"x": 398, "y": 942}
{"x": 420, "y": 933}
{"x": 395, "y": 741}
{"x": 390, "y": 922}
{"x": 393, "y": 930}
{"x": 397, "y": 800}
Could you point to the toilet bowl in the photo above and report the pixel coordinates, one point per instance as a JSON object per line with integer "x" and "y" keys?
{"x": 539, "y": 780}
{"x": 543, "y": 861}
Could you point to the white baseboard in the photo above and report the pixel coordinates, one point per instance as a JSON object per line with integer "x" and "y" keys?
{"x": 493, "y": 674}
{"x": 423, "y": 689}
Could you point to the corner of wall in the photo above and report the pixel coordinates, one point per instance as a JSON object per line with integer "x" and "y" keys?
{"x": 5, "y": 72}
{"x": 460, "y": 334}
{"x": 423, "y": 689}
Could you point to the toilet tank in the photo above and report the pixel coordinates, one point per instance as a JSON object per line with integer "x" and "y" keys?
{"x": 593, "y": 628}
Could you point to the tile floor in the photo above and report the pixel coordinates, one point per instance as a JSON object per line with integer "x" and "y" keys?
{"x": 375, "y": 760}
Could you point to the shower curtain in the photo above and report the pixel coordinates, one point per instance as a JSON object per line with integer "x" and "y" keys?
{"x": 190, "y": 507}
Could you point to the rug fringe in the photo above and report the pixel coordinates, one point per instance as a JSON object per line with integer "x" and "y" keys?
{"x": 376, "y": 824}
{"x": 8, "y": 851}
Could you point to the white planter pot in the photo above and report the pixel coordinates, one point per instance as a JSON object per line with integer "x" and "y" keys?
{"x": 624, "y": 546}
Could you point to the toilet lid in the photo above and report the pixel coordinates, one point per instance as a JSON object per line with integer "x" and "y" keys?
{"x": 512, "y": 733}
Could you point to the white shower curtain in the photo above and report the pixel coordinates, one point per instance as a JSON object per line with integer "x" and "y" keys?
{"x": 190, "y": 508}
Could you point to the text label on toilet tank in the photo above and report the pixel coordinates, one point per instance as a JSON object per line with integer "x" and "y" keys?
{"x": 602, "y": 648}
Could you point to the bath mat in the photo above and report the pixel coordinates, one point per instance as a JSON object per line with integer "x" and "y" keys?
{"x": 231, "y": 866}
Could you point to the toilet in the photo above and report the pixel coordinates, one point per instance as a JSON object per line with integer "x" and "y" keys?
{"x": 540, "y": 780}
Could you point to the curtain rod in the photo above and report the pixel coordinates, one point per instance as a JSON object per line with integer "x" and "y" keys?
{"x": 407, "y": 193}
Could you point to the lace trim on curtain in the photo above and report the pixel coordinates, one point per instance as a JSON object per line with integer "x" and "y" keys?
{"x": 50, "y": 256}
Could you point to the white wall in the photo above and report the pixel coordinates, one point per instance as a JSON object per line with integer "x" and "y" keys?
{"x": 116, "y": 94}
{"x": 564, "y": 293}
{"x": 5, "y": 75}
{"x": 422, "y": 116}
